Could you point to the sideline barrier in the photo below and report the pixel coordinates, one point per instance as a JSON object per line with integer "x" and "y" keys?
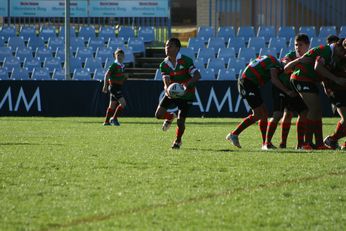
{"x": 84, "y": 98}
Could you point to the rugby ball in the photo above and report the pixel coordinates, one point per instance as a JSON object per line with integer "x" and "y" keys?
{"x": 176, "y": 90}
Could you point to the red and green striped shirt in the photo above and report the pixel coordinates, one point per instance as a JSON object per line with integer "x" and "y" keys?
{"x": 284, "y": 77}
{"x": 181, "y": 73}
{"x": 258, "y": 70}
{"x": 116, "y": 71}
{"x": 305, "y": 71}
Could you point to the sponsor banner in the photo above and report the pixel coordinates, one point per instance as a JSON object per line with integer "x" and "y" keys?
{"x": 84, "y": 98}
{"x": 47, "y": 8}
{"x": 126, "y": 8}
{"x": 4, "y": 8}
{"x": 86, "y": 8}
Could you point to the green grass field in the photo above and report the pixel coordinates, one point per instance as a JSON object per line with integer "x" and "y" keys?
{"x": 75, "y": 174}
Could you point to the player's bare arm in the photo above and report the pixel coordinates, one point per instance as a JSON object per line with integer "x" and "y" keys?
{"x": 275, "y": 80}
{"x": 322, "y": 70}
{"x": 106, "y": 82}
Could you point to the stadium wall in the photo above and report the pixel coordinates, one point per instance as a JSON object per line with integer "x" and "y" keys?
{"x": 84, "y": 98}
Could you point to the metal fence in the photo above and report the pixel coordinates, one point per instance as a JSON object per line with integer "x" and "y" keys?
{"x": 277, "y": 13}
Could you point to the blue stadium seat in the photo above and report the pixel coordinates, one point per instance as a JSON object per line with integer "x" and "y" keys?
{"x": 226, "y": 32}
{"x": 226, "y": 53}
{"x": 43, "y": 53}
{"x": 147, "y": 34}
{"x": 23, "y": 53}
{"x": 342, "y": 33}
{"x": 126, "y": 32}
{"x": 92, "y": 64}
{"x": 309, "y": 30}
{"x": 236, "y": 43}
{"x": 195, "y": 44}
{"x": 228, "y": 74}
{"x": 5, "y": 52}
{"x": 32, "y": 63}
{"x": 95, "y": 43}
{"x": 81, "y": 74}
{"x": 269, "y": 51}
{"x": 78, "y": 42}
{"x": 84, "y": 52}
{"x": 199, "y": 63}
{"x": 11, "y": 62}
{"x": 216, "y": 43}
{"x": 27, "y": 32}
{"x": 267, "y": 32}
{"x": 60, "y": 53}
{"x": 207, "y": 74}
{"x": 325, "y": 31}
{"x": 286, "y": 32}
{"x": 246, "y": 32}
{"x": 158, "y": 75}
{"x": 87, "y": 32}
{"x": 20, "y": 74}
{"x": 129, "y": 56}
{"x": 58, "y": 74}
{"x": 247, "y": 53}
{"x": 317, "y": 41}
{"x": 257, "y": 43}
{"x": 72, "y": 31}
{"x": 99, "y": 74}
{"x": 52, "y": 63}
{"x": 8, "y": 31}
{"x": 277, "y": 42}
{"x": 15, "y": 42}
{"x": 35, "y": 42}
{"x": 2, "y": 41}
{"x": 187, "y": 52}
{"x": 137, "y": 46}
{"x": 205, "y": 32}
{"x": 40, "y": 74}
{"x": 75, "y": 63}
{"x": 104, "y": 53}
{"x": 116, "y": 43}
{"x": 56, "y": 42}
{"x": 4, "y": 75}
{"x": 216, "y": 64}
{"x": 47, "y": 31}
{"x": 236, "y": 64}
{"x": 107, "y": 32}
{"x": 205, "y": 54}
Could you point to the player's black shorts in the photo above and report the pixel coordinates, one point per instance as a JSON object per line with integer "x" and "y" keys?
{"x": 282, "y": 101}
{"x": 249, "y": 91}
{"x": 182, "y": 104}
{"x": 116, "y": 92}
{"x": 304, "y": 87}
{"x": 338, "y": 98}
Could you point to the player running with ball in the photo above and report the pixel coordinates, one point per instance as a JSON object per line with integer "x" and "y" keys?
{"x": 177, "y": 68}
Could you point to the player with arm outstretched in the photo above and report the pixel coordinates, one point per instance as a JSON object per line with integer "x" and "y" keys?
{"x": 177, "y": 68}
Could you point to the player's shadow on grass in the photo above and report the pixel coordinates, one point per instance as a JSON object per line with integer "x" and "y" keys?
{"x": 210, "y": 150}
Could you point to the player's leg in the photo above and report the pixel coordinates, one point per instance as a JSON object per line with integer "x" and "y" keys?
{"x": 110, "y": 110}
{"x": 251, "y": 94}
{"x": 120, "y": 107}
{"x": 161, "y": 113}
{"x": 285, "y": 127}
{"x": 184, "y": 107}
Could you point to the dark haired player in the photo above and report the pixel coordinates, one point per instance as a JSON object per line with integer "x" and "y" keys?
{"x": 177, "y": 68}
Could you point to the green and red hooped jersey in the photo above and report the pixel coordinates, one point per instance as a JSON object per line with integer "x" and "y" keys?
{"x": 181, "y": 73}
{"x": 258, "y": 70}
{"x": 284, "y": 77}
{"x": 116, "y": 71}
{"x": 305, "y": 71}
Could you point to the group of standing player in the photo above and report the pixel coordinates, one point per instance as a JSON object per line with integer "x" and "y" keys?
{"x": 295, "y": 79}
{"x": 300, "y": 72}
